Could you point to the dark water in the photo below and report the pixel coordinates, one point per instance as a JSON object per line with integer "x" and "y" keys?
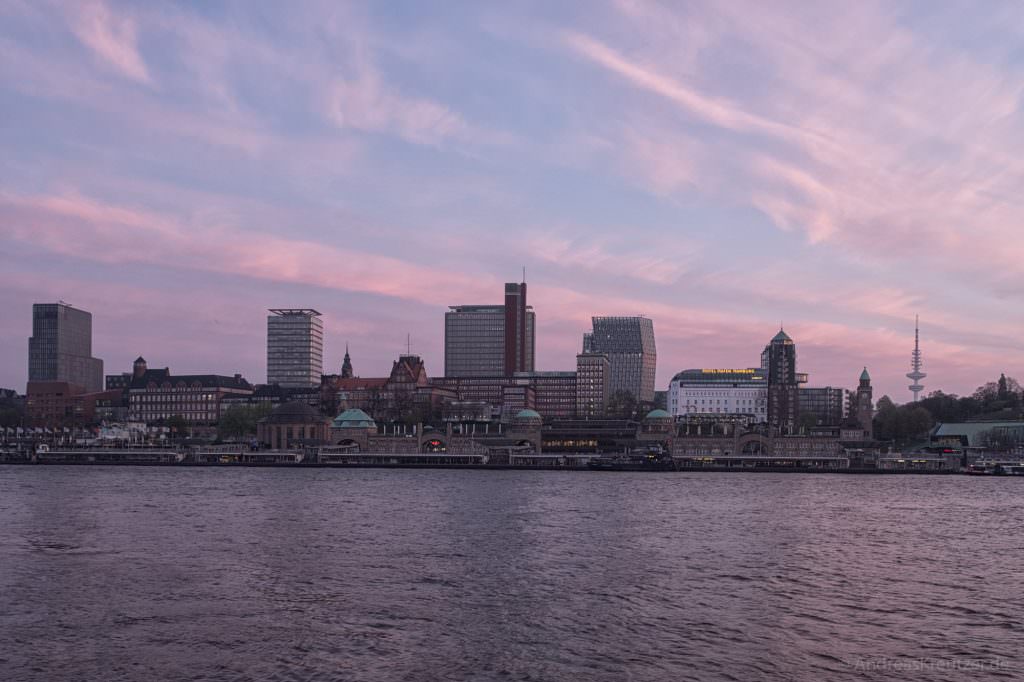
{"x": 211, "y": 574}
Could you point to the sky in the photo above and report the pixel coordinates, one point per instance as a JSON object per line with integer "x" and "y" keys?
{"x": 721, "y": 167}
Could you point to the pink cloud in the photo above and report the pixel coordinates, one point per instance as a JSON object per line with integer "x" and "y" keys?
{"x": 80, "y": 227}
{"x": 835, "y": 151}
{"x": 112, "y": 38}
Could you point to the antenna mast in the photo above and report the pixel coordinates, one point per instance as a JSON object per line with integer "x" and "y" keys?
{"x": 915, "y": 363}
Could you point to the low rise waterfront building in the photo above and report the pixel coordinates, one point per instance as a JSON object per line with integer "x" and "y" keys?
{"x": 293, "y": 424}
{"x": 155, "y": 395}
{"x": 60, "y": 404}
{"x": 978, "y": 434}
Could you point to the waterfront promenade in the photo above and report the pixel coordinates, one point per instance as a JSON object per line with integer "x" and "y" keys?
{"x": 240, "y": 456}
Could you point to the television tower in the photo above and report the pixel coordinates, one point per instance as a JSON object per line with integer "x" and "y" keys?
{"x": 915, "y": 364}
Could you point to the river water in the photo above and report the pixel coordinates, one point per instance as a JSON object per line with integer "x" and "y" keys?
{"x": 134, "y": 573}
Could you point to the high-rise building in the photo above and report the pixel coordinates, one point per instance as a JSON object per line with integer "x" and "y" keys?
{"x": 629, "y": 344}
{"x": 518, "y": 351}
{"x": 593, "y": 373}
{"x": 779, "y": 358}
{"x": 490, "y": 340}
{"x": 60, "y": 348}
{"x": 295, "y": 347}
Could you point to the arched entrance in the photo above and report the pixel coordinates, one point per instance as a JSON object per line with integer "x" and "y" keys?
{"x": 434, "y": 444}
{"x": 754, "y": 444}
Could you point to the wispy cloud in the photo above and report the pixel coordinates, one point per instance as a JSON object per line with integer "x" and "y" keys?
{"x": 716, "y": 166}
{"x": 112, "y": 38}
{"x": 74, "y": 225}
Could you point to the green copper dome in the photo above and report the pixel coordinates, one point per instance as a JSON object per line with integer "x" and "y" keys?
{"x": 353, "y": 419}
{"x": 527, "y": 414}
{"x": 658, "y": 414}
{"x": 864, "y": 376}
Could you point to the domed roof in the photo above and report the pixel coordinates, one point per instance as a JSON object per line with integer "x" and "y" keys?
{"x": 353, "y": 419}
{"x": 658, "y": 414}
{"x": 864, "y": 376}
{"x": 294, "y": 412}
{"x": 527, "y": 414}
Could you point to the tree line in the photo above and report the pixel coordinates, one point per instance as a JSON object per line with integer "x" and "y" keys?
{"x": 1000, "y": 399}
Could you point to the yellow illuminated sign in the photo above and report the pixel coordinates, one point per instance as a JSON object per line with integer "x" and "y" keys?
{"x": 727, "y": 371}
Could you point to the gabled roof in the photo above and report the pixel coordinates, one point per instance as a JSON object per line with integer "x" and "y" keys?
{"x": 160, "y": 376}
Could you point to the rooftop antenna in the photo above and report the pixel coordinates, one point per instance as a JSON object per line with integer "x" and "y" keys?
{"x": 524, "y": 274}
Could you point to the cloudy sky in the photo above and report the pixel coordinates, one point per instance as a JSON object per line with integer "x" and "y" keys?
{"x": 720, "y": 167}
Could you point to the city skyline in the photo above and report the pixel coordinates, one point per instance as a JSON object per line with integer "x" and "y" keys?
{"x": 587, "y": 348}
{"x": 177, "y": 171}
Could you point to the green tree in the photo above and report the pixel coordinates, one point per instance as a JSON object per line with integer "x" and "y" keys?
{"x": 902, "y": 423}
{"x": 1001, "y": 440}
{"x": 239, "y": 421}
{"x": 178, "y": 426}
{"x": 11, "y": 417}
{"x": 918, "y": 422}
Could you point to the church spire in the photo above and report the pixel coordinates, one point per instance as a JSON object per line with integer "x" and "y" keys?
{"x": 346, "y": 365}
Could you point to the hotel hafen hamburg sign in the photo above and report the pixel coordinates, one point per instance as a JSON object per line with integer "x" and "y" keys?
{"x": 727, "y": 371}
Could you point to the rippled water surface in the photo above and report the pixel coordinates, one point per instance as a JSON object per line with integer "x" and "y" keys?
{"x": 122, "y": 573}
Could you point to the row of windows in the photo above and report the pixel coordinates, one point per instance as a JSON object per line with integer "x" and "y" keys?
{"x": 171, "y": 397}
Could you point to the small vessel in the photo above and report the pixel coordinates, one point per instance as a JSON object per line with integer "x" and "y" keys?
{"x": 649, "y": 460}
{"x": 996, "y": 468}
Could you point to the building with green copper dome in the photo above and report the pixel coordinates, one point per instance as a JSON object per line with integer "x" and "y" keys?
{"x": 353, "y": 419}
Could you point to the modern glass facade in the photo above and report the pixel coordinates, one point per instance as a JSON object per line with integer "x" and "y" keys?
{"x": 629, "y": 344}
{"x": 60, "y": 348}
{"x": 295, "y": 348}
{"x": 474, "y": 341}
{"x": 827, "y": 404}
